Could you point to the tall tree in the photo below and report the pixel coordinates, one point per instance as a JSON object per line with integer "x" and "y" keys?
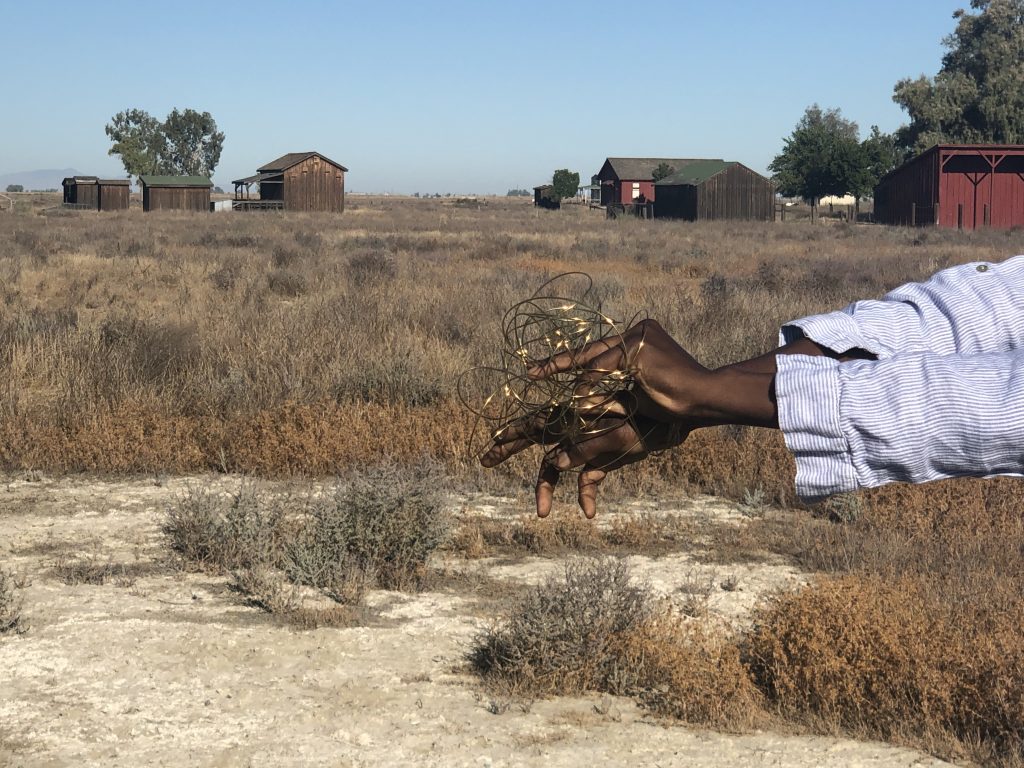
{"x": 565, "y": 183}
{"x": 187, "y": 143}
{"x": 193, "y": 142}
{"x": 139, "y": 139}
{"x": 882, "y": 153}
{"x": 977, "y": 94}
{"x": 823, "y": 156}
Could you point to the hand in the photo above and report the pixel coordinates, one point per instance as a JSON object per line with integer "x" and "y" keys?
{"x": 658, "y": 412}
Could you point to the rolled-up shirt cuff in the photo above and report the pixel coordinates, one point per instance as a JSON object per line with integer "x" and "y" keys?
{"x": 808, "y": 392}
{"x": 836, "y": 330}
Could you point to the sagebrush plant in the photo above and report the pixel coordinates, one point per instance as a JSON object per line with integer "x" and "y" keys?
{"x": 377, "y": 527}
{"x": 562, "y": 636}
{"x": 11, "y": 604}
{"x": 381, "y": 524}
{"x": 226, "y": 531}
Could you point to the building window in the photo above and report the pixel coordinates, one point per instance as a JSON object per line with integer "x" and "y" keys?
{"x": 636, "y": 189}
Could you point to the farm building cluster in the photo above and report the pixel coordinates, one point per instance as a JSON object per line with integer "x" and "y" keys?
{"x": 298, "y": 181}
{"x": 966, "y": 186}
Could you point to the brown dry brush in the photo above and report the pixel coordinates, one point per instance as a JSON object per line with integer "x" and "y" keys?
{"x": 892, "y": 659}
{"x": 592, "y": 628}
{"x": 300, "y": 344}
{"x": 308, "y": 345}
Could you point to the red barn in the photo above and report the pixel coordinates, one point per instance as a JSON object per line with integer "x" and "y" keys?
{"x": 966, "y": 186}
{"x": 624, "y": 179}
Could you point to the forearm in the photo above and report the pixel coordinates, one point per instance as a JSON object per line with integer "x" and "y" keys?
{"x": 913, "y": 418}
{"x": 766, "y": 363}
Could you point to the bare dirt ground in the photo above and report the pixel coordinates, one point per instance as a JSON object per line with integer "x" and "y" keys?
{"x": 159, "y": 667}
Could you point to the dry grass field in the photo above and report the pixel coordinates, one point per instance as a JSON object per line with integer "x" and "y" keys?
{"x": 299, "y": 349}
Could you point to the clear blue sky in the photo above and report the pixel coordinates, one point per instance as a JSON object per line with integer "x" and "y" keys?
{"x": 454, "y": 95}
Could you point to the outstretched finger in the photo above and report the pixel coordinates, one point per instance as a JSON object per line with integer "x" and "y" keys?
{"x": 578, "y": 358}
{"x": 589, "y": 481}
{"x": 502, "y": 452}
{"x": 547, "y": 479}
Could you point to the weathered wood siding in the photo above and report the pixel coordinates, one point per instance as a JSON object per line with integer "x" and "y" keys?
{"x": 113, "y": 197}
{"x": 910, "y": 193}
{"x": 735, "y": 193}
{"x": 82, "y": 194}
{"x": 314, "y": 185}
{"x": 176, "y": 199}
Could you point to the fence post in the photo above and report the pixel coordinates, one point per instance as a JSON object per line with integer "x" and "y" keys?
{"x": 936, "y": 220}
{"x": 913, "y": 214}
{"x": 959, "y": 215}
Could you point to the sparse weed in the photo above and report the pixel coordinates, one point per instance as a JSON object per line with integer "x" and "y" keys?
{"x": 593, "y": 629}
{"x": 11, "y": 605}
{"x": 754, "y": 503}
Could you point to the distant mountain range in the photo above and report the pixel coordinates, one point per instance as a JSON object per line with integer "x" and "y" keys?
{"x": 49, "y": 178}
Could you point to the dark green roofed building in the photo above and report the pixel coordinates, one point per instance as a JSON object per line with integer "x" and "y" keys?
{"x": 175, "y": 193}
{"x": 714, "y": 189}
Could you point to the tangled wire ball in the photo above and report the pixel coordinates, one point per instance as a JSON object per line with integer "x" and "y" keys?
{"x": 561, "y": 318}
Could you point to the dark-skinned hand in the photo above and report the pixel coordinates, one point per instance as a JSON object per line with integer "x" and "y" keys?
{"x": 657, "y": 412}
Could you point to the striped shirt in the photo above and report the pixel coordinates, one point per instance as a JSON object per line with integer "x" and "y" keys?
{"x": 945, "y": 398}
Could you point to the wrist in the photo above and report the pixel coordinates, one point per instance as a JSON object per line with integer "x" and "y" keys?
{"x": 736, "y": 396}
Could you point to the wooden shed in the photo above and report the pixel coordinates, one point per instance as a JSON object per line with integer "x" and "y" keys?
{"x": 82, "y": 191}
{"x": 113, "y": 194}
{"x": 544, "y": 197}
{"x": 625, "y": 180}
{"x": 715, "y": 189}
{"x": 966, "y": 186}
{"x": 298, "y": 181}
{"x": 175, "y": 193}
{"x": 96, "y": 194}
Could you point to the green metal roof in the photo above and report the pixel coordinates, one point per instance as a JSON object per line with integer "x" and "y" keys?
{"x": 695, "y": 172}
{"x": 175, "y": 181}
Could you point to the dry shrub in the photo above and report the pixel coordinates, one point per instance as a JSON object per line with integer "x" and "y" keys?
{"x": 11, "y": 605}
{"x": 222, "y": 532}
{"x": 287, "y": 282}
{"x": 690, "y": 671}
{"x": 381, "y": 526}
{"x": 644, "y": 533}
{"x": 91, "y": 569}
{"x": 891, "y": 659}
{"x": 270, "y": 591}
{"x": 563, "y": 636}
{"x": 593, "y": 629}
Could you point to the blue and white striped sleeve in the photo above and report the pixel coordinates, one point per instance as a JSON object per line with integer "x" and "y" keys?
{"x": 912, "y": 418}
{"x": 945, "y": 398}
{"x": 969, "y": 309}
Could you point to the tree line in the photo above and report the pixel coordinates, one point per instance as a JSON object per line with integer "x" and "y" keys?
{"x": 185, "y": 143}
{"x": 976, "y": 98}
